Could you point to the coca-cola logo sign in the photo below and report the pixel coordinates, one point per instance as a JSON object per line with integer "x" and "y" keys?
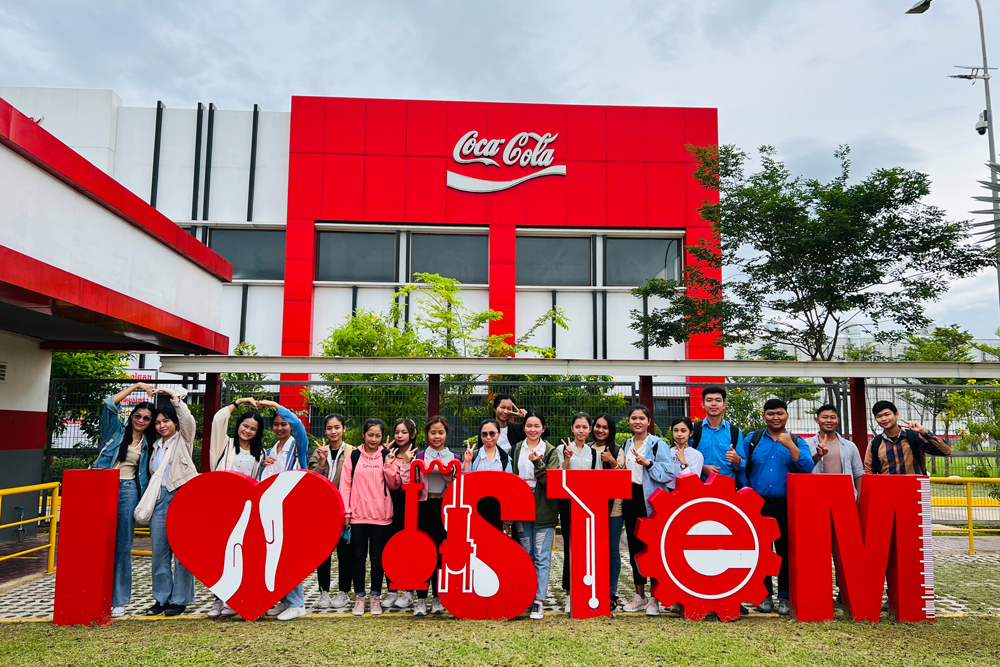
{"x": 525, "y": 150}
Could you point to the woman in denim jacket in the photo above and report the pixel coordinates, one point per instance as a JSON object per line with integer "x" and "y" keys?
{"x": 125, "y": 446}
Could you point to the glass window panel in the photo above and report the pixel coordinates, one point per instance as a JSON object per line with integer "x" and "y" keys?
{"x": 631, "y": 262}
{"x": 553, "y": 261}
{"x": 254, "y": 254}
{"x": 356, "y": 257}
{"x": 464, "y": 257}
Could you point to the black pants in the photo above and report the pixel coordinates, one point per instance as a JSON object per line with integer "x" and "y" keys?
{"x": 633, "y": 509}
{"x": 398, "y": 519}
{"x": 564, "y": 510}
{"x": 345, "y": 568}
{"x": 368, "y": 538}
{"x": 777, "y": 508}
{"x": 429, "y": 521}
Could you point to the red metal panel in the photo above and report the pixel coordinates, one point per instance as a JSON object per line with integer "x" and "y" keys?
{"x": 464, "y": 117}
{"x": 385, "y": 188}
{"x": 305, "y": 185}
{"x": 343, "y": 187}
{"x": 586, "y": 194}
{"x": 306, "y": 128}
{"x": 300, "y": 241}
{"x": 550, "y": 118}
{"x": 344, "y": 124}
{"x": 506, "y": 120}
{"x": 299, "y": 279}
{"x": 701, "y": 128}
{"x": 385, "y": 127}
{"x": 626, "y": 194}
{"x": 547, "y": 200}
{"x": 665, "y": 135}
{"x": 465, "y": 207}
{"x": 427, "y": 129}
{"x": 22, "y": 429}
{"x": 626, "y": 134}
{"x": 509, "y": 207}
{"x": 503, "y": 261}
{"x": 666, "y": 196}
{"x": 297, "y": 325}
{"x": 426, "y": 199}
{"x": 586, "y": 133}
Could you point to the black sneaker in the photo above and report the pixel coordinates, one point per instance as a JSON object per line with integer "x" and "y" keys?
{"x": 784, "y": 608}
{"x": 766, "y": 606}
{"x": 155, "y": 610}
{"x": 174, "y": 610}
{"x": 537, "y": 613}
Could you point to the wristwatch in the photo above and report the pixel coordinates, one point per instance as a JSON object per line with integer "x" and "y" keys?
{"x": 684, "y": 466}
{"x": 649, "y": 465}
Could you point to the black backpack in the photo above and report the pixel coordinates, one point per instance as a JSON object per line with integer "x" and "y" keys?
{"x": 754, "y": 441}
{"x": 356, "y": 456}
{"x": 734, "y": 433}
{"x": 916, "y": 447}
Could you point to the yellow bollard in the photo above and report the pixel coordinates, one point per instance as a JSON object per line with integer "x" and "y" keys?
{"x": 53, "y": 526}
{"x": 968, "y": 500}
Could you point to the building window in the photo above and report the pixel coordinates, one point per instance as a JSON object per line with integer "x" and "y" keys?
{"x": 554, "y": 261}
{"x": 631, "y": 262}
{"x": 356, "y": 257}
{"x": 464, "y": 257}
{"x": 254, "y": 254}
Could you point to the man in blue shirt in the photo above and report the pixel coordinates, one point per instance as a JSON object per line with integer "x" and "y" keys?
{"x": 716, "y": 439}
{"x": 771, "y": 454}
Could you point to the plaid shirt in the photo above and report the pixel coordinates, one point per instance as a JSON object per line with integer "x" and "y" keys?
{"x": 896, "y": 456}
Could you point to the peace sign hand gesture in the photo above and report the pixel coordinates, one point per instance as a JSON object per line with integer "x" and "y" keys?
{"x": 520, "y": 412}
{"x": 390, "y": 458}
{"x": 639, "y": 458}
{"x": 467, "y": 455}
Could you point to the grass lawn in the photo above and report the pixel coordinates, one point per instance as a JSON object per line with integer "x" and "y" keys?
{"x": 622, "y": 641}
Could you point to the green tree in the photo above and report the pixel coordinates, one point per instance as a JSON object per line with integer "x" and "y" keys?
{"x": 82, "y": 400}
{"x": 745, "y": 401}
{"x": 943, "y": 344}
{"x": 805, "y": 258}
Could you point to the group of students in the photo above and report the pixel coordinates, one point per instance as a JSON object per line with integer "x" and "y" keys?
{"x": 370, "y": 480}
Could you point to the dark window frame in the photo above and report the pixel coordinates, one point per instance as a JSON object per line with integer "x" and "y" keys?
{"x": 393, "y": 255}
{"x": 412, "y": 265}
{"x": 609, "y": 241}
{"x": 214, "y": 233}
{"x": 588, "y": 256}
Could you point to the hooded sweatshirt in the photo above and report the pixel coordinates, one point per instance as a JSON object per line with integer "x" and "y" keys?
{"x": 366, "y": 491}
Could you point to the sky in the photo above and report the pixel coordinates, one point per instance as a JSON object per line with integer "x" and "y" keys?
{"x": 803, "y": 76}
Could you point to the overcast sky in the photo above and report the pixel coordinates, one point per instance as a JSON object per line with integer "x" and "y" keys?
{"x": 804, "y": 76}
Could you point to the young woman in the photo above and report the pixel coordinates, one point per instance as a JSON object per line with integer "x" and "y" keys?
{"x": 575, "y": 455}
{"x": 652, "y": 466}
{"x": 488, "y": 457}
{"x": 431, "y": 499}
{"x": 689, "y": 459}
{"x": 404, "y": 441}
{"x": 369, "y": 473}
{"x": 126, "y": 446}
{"x": 290, "y": 452}
{"x": 612, "y": 458}
{"x": 328, "y": 460}
{"x": 173, "y": 589}
{"x": 530, "y": 459}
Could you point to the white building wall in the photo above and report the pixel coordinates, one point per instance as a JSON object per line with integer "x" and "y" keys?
{"x": 270, "y": 199}
{"x": 176, "y": 173}
{"x": 26, "y": 386}
{"x": 230, "y": 180}
{"x": 134, "y": 154}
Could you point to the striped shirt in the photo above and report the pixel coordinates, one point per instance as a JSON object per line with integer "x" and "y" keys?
{"x": 896, "y": 456}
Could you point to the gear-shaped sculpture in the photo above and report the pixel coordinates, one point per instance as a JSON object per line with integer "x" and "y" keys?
{"x": 707, "y": 547}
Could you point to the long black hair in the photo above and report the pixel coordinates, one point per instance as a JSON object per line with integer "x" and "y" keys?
{"x": 411, "y": 428}
{"x": 257, "y": 441}
{"x": 536, "y": 413}
{"x": 612, "y": 427}
{"x": 149, "y": 435}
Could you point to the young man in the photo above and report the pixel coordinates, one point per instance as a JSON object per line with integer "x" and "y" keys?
{"x": 511, "y": 433}
{"x": 900, "y": 451}
{"x": 833, "y": 453}
{"x": 771, "y": 454}
{"x": 715, "y": 438}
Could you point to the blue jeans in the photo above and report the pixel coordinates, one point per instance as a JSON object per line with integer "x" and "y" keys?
{"x": 128, "y": 498}
{"x": 615, "y": 556}
{"x": 296, "y": 597}
{"x": 176, "y": 587}
{"x": 538, "y": 543}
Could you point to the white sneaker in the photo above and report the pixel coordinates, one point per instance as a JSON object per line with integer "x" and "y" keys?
{"x": 359, "y": 605}
{"x": 324, "y": 600}
{"x": 437, "y": 607}
{"x": 228, "y": 612}
{"x": 389, "y": 600}
{"x": 652, "y": 606}
{"x": 404, "y": 600}
{"x": 277, "y": 609}
{"x": 569, "y": 607}
{"x": 637, "y": 604}
{"x": 292, "y": 613}
{"x": 117, "y": 612}
{"x": 340, "y": 601}
{"x": 537, "y": 613}
{"x": 420, "y": 607}
{"x": 216, "y": 609}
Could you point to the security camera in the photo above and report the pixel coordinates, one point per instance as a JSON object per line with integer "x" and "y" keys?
{"x": 982, "y": 124}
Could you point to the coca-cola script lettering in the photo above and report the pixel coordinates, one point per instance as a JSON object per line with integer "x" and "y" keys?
{"x": 525, "y": 149}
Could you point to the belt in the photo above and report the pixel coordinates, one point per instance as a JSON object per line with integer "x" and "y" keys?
{"x": 435, "y": 495}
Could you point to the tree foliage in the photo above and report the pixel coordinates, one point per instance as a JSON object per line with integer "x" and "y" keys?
{"x": 943, "y": 344}
{"x": 806, "y": 258}
{"x": 82, "y": 401}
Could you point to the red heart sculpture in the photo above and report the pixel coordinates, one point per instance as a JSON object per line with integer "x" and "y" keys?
{"x": 251, "y": 543}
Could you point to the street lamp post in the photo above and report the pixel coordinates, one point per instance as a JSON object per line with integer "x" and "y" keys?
{"x": 919, "y": 8}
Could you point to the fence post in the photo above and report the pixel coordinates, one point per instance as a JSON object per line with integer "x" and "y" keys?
{"x": 968, "y": 500}
{"x": 50, "y": 566}
{"x": 433, "y": 395}
{"x": 646, "y": 398}
{"x": 859, "y": 410}
{"x": 213, "y": 387}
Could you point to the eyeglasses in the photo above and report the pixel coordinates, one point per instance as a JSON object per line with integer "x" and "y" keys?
{"x": 142, "y": 418}
{"x": 489, "y": 434}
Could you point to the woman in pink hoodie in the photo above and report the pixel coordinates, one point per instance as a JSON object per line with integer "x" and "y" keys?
{"x": 365, "y": 481}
